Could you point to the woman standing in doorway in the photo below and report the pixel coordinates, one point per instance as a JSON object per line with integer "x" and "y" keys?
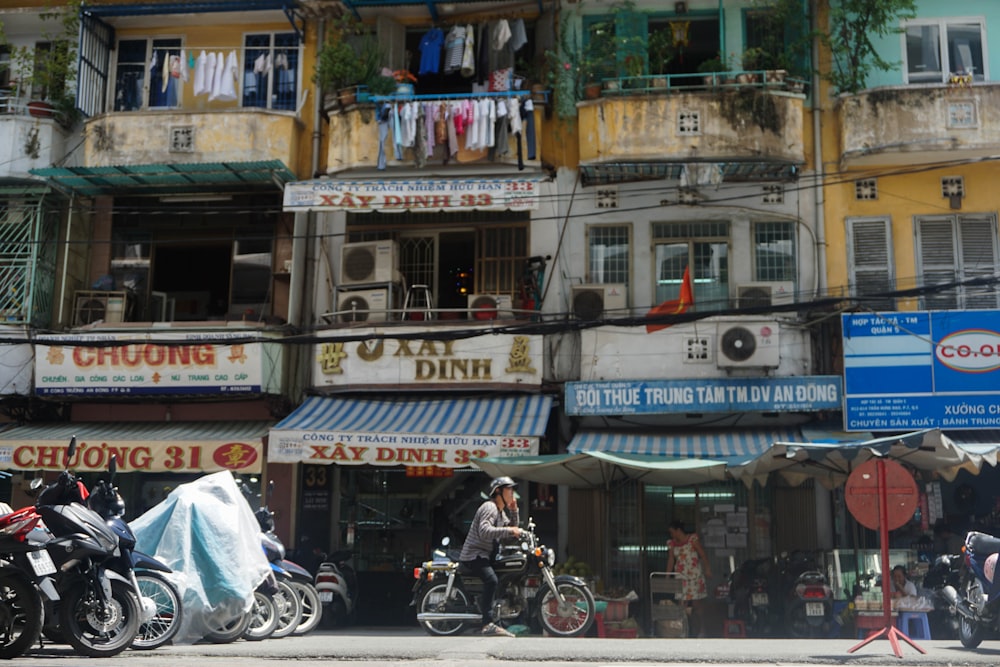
{"x": 687, "y": 557}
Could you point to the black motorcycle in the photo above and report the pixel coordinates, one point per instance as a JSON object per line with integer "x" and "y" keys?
{"x": 26, "y": 574}
{"x": 946, "y": 570}
{"x": 98, "y": 611}
{"x": 754, "y": 594}
{"x": 447, "y": 597}
{"x": 808, "y": 598}
{"x": 159, "y": 599}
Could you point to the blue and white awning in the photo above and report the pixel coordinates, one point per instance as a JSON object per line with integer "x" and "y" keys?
{"x": 731, "y": 446}
{"x": 445, "y": 432}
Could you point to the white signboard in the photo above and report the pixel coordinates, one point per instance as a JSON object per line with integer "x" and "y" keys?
{"x": 390, "y": 449}
{"x": 490, "y": 359}
{"x": 126, "y": 364}
{"x": 15, "y": 362}
{"x": 496, "y": 194}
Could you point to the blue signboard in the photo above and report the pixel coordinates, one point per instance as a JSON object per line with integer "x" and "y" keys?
{"x": 651, "y": 397}
{"x": 921, "y": 370}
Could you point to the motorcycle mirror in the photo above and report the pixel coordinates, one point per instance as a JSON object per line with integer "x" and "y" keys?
{"x": 445, "y": 541}
{"x": 113, "y": 465}
{"x": 270, "y": 490}
{"x": 35, "y": 484}
{"x": 71, "y": 450}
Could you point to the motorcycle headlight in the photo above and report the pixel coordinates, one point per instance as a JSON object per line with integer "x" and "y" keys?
{"x": 550, "y": 557}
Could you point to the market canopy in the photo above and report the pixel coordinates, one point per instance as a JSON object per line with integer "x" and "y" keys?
{"x": 832, "y": 463}
{"x": 601, "y": 469}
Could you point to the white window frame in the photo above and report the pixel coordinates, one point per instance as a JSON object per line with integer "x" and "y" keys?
{"x": 272, "y": 81}
{"x": 150, "y": 49}
{"x": 942, "y": 25}
{"x": 590, "y": 276}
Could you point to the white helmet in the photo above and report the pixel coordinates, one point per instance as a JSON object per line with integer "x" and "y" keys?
{"x": 501, "y": 483}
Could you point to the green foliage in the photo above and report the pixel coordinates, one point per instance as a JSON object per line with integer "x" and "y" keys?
{"x": 853, "y": 24}
{"x": 712, "y": 65}
{"x": 350, "y": 56}
{"x": 48, "y": 73}
{"x": 381, "y": 85}
{"x": 661, "y": 51}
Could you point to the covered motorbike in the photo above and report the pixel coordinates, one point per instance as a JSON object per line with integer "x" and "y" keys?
{"x": 975, "y": 601}
{"x": 447, "y": 598}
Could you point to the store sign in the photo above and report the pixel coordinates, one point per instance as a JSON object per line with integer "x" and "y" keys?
{"x": 419, "y": 195}
{"x": 15, "y": 362}
{"x": 125, "y": 364}
{"x": 491, "y": 359}
{"x": 650, "y": 397}
{"x": 135, "y": 456}
{"x": 390, "y": 449}
{"x": 922, "y": 369}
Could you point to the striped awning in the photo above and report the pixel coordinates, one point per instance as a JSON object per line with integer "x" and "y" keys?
{"x": 208, "y": 446}
{"x": 444, "y": 432}
{"x": 731, "y": 446}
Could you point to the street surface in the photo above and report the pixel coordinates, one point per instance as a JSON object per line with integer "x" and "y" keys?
{"x": 411, "y": 647}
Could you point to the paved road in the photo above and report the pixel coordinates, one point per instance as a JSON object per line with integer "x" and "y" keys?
{"x": 410, "y": 647}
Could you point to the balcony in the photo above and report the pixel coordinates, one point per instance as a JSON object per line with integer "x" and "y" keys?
{"x": 182, "y": 136}
{"x": 28, "y": 142}
{"x": 753, "y": 130}
{"x": 919, "y": 124}
{"x": 354, "y": 141}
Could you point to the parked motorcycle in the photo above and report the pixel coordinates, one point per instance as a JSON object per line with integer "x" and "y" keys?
{"x": 446, "y": 597}
{"x": 975, "y": 601}
{"x": 754, "y": 594}
{"x": 808, "y": 600}
{"x": 26, "y": 571}
{"x": 946, "y": 570}
{"x": 98, "y": 611}
{"x": 337, "y": 586}
{"x": 159, "y": 598}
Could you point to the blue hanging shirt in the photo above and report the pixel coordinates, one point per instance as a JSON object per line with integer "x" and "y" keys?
{"x": 430, "y": 51}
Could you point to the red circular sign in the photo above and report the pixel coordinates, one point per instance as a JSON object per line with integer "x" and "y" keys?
{"x": 862, "y": 494}
{"x": 234, "y": 456}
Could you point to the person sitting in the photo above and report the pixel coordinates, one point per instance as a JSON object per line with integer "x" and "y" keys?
{"x": 900, "y": 585}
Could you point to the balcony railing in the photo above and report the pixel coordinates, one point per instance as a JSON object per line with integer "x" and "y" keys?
{"x": 688, "y": 82}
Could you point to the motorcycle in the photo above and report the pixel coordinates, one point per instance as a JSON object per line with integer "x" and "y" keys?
{"x": 337, "y": 586}
{"x": 528, "y": 592}
{"x": 808, "y": 599}
{"x": 946, "y": 570}
{"x": 25, "y": 575}
{"x": 159, "y": 599}
{"x": 752, "y": 592}
{"x": 98, "y": 611}
{"x": 976, "y": 604}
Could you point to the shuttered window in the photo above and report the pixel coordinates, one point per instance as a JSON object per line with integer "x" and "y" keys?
{"x": 870, "y": 261}
{"x": 956, "y": 248}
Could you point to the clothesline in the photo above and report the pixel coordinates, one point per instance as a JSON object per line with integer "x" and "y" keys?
{"x": 406, "y": 97}
{"x": 230, "y": 47}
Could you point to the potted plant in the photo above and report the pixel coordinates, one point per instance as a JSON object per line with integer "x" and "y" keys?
{"x": 661, "y": 53}
{"x": 339, "y": 66}
{"x": 753, "y": 61}
{"x": 45, "y": 74}
{"x": 381, "y": 84}
{"x": 712, "y": 69}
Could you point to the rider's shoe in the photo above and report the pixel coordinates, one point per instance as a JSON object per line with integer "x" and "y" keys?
{"x": 494, "y": 630}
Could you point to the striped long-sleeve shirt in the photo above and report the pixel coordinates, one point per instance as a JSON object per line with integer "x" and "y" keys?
{"x": 488, "y": 525}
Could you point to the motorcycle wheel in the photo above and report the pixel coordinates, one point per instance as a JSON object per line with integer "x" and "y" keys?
{"x": 289, "y": 608}
{"x": 166, "y": 620}
{"x": 312, "y": 609}
{"x": 571, "y": 618}
{"x": 99, "y": 631}
{"x": 20, "y": 615}
{"x": 263, "y": 617}
{"x": 970, "y": 633}
{"x": 433, "y": 599}
{"x": 230, "y": 631}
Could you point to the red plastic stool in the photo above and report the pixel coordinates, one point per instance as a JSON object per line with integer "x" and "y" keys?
{"x": 734, "y": 629}
{"x": 599, "y": 622}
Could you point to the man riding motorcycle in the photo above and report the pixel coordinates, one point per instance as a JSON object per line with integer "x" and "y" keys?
{"x": 495, "y": 519}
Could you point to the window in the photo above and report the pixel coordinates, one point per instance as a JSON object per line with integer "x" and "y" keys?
{"x": 609, "y": 249}
{"x": 271, "y": 71}
{"x": 957, "y": 248}
{"x": 937, "y": 49}
{"x": 702, "y": 245}
{"x": 139, "y": 77}
{"x": 774, "y": 251}
{"x": 702, "y": 35}
{"x": 869, "y": 243}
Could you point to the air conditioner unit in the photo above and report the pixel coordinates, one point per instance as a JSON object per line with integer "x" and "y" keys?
{"x": 490, "y": 307}
{"x": 592, "y": 302}
{"x": 779, "y": 293}
{"x": 93, "y": 306}
{"x": 369, "y": 262}
{"x": 363, "y": 305}
{"x": 749, "y": 344}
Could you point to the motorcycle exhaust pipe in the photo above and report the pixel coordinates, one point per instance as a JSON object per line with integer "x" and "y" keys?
{"x": 960, "y": 606}
{"x": 444, "y": 616}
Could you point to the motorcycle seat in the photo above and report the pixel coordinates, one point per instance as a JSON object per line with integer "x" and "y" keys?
{"x": 981, "y": 544}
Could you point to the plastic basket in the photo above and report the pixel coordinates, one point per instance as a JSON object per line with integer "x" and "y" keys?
{"x": 621, "y": 633}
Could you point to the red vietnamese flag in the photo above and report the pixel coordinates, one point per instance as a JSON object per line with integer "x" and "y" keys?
{"x": 675, "y": 306}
